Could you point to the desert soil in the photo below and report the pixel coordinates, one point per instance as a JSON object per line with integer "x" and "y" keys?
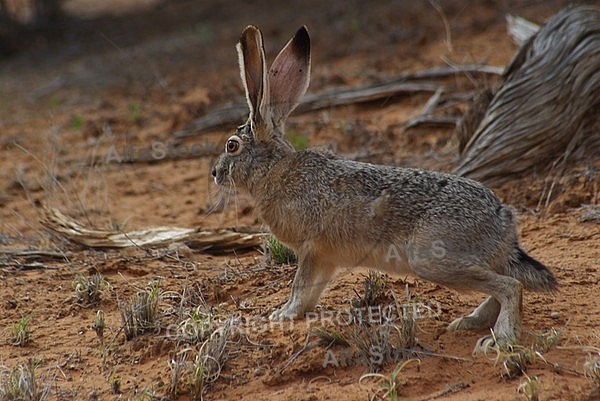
{"x": 133, "y": 72}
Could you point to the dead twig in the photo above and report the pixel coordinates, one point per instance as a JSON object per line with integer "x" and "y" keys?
{"x": 438, "y": 121}
{"x": 450, "y": 390}
{"x": 35, "y": 254}
{"x": 21, "y": 267}
{"x": 427, "y": 116}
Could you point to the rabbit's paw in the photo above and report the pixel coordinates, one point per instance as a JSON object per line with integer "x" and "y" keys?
{"x": 459, "y": 324}
{"x": 286, "y": 312}
{"x": 470, "y": 323}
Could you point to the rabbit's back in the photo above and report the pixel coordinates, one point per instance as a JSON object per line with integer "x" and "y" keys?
{"x": 348, "y": 204}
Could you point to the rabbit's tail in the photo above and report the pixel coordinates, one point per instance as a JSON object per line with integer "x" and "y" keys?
{"x": 532, "y": 274}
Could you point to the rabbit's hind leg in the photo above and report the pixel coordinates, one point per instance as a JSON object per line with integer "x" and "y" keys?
{"x": 508, "y": 325}
{"x": 505, "y": 291}
{"x": 483, "y": 317}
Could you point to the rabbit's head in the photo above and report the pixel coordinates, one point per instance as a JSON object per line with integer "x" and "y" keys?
{"x": 272, "y": 95}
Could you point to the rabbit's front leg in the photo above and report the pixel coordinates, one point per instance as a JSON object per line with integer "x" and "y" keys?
{"x": 311, "y": 278}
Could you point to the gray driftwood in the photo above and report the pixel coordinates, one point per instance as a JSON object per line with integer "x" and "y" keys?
{"x": 546, "y": 111}
{"x": 218, "y": 240}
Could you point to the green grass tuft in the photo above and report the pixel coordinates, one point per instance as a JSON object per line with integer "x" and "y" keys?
{"x": 278, "y": 253}
{"x": 77, "y": 122}
{"x": 20, "y": 332}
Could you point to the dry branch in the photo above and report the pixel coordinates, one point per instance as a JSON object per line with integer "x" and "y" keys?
{"x": 547, "y": 110}
{"x": 235, "y": 113}
{"x": 220, "y": 240}
{"x": 427, "y": 116}
{"x": 21, "y": 267}
{"x": 432, "y": 120}
{"x": 34, "y": 254}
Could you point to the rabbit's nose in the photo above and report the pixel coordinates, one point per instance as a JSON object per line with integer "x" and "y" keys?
{"x": 214, "y": 172}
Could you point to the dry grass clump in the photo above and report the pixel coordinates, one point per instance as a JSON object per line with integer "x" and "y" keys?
{"x": 141, "y": 314}
{"x": 515, "y": 358}
{"x": 88, "y": 289}
{"x": 591, "y": 369}
{"x": 21, "y": 384}
{"x": 198, "y": 367}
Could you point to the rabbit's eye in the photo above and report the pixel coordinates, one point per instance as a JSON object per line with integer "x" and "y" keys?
{"x": 232, "y": 145}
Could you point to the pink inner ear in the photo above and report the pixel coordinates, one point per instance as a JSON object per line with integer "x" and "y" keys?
{"x": 289, "y": 76}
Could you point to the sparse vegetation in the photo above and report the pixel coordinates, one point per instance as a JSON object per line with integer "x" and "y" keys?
{"x": 516, "y": 358}
{"x": 592, "y": 371}
{"x": 115, "y": 382}
{"x": 382, "y": 334}
{"x": 388, "y": 385}
{"x": 77, "y": 122}
{"x": 529, "y": 388}
{"x": 208, "y": 361}
{"x": 375, "y": 288}
{"x": 88, "y": 289}
{"x": 211, "y": 357}
{"x": 199, "y": 324}
{"x": 21, "y": 384}
{"x": 544, "y": 341}
{"x": 20, "y": 332}
{"x": 99, "y": 325}
{"x": 331, "y": 336}
{"x": 278, "y": 253}
{"x": 141, "y": 314}
{"x": 135, "y": 114}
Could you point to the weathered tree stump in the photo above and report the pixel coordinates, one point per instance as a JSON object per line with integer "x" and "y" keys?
{"x": 546, "y": 112}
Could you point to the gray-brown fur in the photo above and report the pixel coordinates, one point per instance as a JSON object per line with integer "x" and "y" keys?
{"x": 336, "y": 213}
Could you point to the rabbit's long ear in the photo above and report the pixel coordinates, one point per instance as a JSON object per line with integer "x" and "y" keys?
{"x": 289, "y": 77}
{"x": 253, "y": 70}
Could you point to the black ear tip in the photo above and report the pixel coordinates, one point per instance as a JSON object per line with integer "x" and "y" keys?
{"x": 302, "y": 33}
{"x": 302, "y": 39}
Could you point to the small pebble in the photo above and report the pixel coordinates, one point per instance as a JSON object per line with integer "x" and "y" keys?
{"x": 555, "y": 315}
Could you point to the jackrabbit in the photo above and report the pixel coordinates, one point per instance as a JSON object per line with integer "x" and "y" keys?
{"x": 340, "y": 213}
